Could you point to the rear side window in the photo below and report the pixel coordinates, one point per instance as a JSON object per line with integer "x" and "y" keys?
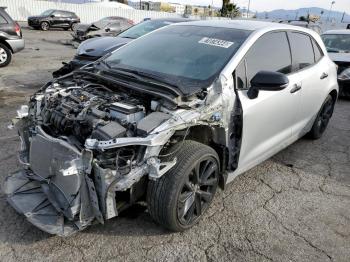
{"x": 302, "y": 50}
{"x": 269, "y": 53}
{"x": 2, "y": 20}
{"x": 60, "y": 14}
{"x": 317, "y": 51}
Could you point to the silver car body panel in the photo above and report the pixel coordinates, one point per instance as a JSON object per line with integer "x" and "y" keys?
{"x": 16, "y": 44}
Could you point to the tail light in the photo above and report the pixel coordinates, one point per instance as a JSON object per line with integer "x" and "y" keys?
{"x": 18, "y": 29}
{"x": 130, "y": 22}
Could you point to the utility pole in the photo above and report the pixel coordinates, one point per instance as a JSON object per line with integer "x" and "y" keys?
{"x": 330, "y": 10}
{"x": 248, "y": 10}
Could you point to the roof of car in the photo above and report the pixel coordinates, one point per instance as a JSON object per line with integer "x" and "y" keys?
{"x": 244, "y": 24}
{"x": 337, "y": 32}
{"x": 174, "y": 20}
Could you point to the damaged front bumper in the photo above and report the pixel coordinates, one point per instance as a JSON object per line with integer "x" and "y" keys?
{"x": 62, "y": 190}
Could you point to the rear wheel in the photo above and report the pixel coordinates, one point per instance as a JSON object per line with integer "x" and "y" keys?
{"x": 5, "y": 55}
{"x": 179, "y": 198}
{"x": 322, "y": 119}
{"x": 45, "y": 26}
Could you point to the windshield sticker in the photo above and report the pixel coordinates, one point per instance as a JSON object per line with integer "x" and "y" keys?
{"x": 215, "y": 42}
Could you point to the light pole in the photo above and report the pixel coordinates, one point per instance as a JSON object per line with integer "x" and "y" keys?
{"x": 248, "y": 10}
{"x": 330, "y": 10}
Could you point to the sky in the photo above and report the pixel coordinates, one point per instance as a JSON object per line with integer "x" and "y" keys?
{"x": 268, "y": 5}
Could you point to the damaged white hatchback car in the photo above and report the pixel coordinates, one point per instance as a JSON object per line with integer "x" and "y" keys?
{"x": 167, "y": 119}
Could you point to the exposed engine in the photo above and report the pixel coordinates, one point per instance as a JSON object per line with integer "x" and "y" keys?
{"x": 89, "y": 111}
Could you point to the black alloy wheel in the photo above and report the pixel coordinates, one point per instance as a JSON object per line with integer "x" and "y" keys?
{"x": 180, "y": 197}
{"x": 45, "y": 26}
{"x": 322, "y": 119}
{"x": 198, "y": 190}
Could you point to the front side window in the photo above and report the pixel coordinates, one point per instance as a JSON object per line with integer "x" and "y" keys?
{"x": 59, "y": 14}
{"x": 188, "y": 56}
{"x": 47, "y": 12}
{"x": 269, "y": 53}
{"x": 337, "y": 43}
{"x": 302, "y": 50}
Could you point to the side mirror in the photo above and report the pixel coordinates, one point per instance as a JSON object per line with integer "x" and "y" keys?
{"x": 52, "y": 16}
{"x": 107, "y": 29}
{"x": 267, "y": 81}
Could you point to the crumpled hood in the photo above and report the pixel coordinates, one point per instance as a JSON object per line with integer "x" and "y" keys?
{"x": 101, "y": 46}
{"x": 340, "y": 57}
{"x": 82, "y": 27}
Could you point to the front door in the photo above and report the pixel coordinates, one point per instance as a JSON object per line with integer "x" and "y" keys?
{"x": 268, "y": 119}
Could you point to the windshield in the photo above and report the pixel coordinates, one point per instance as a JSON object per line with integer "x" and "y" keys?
{"x": 337, "y": 43}
{"x": 143, "y": 28}
{"x": 187, "y": 56}
{"x": 47, "y": 12}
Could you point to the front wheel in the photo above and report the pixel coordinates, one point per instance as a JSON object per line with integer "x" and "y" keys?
{"x": 45, "y": 26}
{"x": 322, "y": 119}
{"x": 178, "y": 200}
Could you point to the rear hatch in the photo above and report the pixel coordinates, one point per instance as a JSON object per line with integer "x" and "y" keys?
{"x": 8, "y": 25}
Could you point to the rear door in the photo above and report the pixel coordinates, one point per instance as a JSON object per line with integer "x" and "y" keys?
{"x": 58, "y": 19}
{"x": 267, "y": 120}
{"x": 313, "y": 71}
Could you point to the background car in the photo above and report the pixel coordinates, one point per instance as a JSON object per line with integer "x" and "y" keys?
{"x": 93, "y": 49}
{"x": 311, "y": 25}
{"x": 11, "y": 40}
{"x": 54, "y": 19}
{"x": 111, "y": 25}
{"x": 338, "y": 47}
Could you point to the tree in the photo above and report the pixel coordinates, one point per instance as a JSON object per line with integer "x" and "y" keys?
{"x": 229, "y": 9}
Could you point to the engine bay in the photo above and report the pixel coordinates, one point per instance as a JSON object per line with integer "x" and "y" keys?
{"x": 92, "y": 110}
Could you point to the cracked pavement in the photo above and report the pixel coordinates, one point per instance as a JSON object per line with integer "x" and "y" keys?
{"x": 293, "y": 207}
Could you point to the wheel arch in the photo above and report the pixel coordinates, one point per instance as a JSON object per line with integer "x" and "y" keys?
{"x": 213, "y": 137}
{"x": 2, "y": 41}
{"x": 334, "y": 95}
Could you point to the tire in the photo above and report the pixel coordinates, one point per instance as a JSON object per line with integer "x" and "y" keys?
{"x": 44, "y": 26}
{"x": 5, "y": 55}
{"x": 72, "y": 26}
{"x": 178, "y": 200}
{"x": 322, "y": 119}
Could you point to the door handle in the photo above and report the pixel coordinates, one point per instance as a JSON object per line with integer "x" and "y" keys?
{"x": 324, "y": 75}
{"x": 295, "y": 88}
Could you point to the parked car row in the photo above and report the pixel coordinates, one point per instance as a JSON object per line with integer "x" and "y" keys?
{"x": 167, "y": 119}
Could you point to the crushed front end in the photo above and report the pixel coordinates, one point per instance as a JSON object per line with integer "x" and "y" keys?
{"x": 88, "y": 151}
{"x": 67, "y": 184}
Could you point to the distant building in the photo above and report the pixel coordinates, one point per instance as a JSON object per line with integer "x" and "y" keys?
{"x": 178, "y": 8}
{"x": 197, "y": 10}
{"x": 146, "y": 5}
